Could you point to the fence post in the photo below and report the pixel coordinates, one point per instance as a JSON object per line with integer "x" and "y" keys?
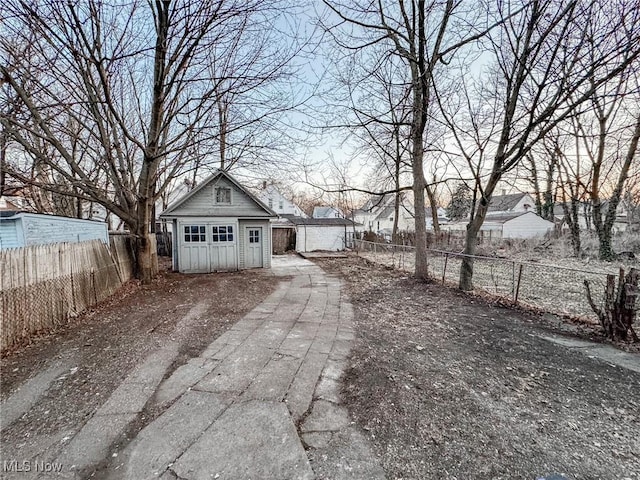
{"x": 515, "y": 298}
{"x": 444, "y": 270}
{"x": 93, "y": 283}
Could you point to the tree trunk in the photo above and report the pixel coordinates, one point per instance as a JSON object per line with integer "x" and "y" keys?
{"x": 434, "y": 210}
{"x": 420, "y": 218}
{"x": 473, "y": 228}
{"x": 618, "y": 310}
{"x": 396, "y": 205}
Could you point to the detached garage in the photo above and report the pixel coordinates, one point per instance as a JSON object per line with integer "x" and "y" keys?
{"x": 518, "y": 225}
{"x": 331, "y": 234}
{"x": 220, "y": 226}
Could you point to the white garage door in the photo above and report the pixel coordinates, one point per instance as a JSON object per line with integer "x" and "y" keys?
{"x": 207, "y": 247}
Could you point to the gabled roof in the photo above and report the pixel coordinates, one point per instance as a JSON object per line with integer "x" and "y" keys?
{"x": 502, "y": 203}
{"x": 375, "y": 202}
{"x": 323, "y": 211}
{"x": 219, "y": 173}
{"x": 505, "y": 217}
{"x": 331, "y": 221}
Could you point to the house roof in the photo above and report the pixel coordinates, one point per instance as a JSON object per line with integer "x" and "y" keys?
{"x": 208, "y": 181}
{"x": 8, "y": 213}
{"x": 323, "y": 211}
{"x": 319, "y": 221}
{"x": 501, "y": 203}
{"x": 374, "y": 202}
{"x": 505, "y": 217}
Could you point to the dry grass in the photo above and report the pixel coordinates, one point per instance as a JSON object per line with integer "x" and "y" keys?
{"x": 551, "y": 284}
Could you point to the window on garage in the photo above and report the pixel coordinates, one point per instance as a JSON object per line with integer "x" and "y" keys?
{"x": 254, "y": 236}
{"x": 223, "y": 195}
{"x": 195, "y": 233}
{"x": 222, "y": 233}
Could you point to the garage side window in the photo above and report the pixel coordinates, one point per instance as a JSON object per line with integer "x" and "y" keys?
{"x": 222, "y": 233}
{"x": 194, "y": 233}
{"x": 223, "y": 195}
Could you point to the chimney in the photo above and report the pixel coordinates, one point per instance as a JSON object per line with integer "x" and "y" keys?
{"x": 504, "y": 191}
{"x": 264, "y": 184}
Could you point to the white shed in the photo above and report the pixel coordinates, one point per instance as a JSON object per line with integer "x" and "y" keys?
{"x": 331, "y": 234}
{"x": 220, "y": 226}
{"x": 518, "y": 225}
{"x": 21, "y": 229}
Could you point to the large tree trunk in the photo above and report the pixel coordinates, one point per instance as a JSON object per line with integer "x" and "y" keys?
{"x": 471, "y": 237}
{"x": 420, "y": 217}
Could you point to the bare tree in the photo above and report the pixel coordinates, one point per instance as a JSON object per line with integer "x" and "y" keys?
{"x": 125, "y": 91}
{"x": 538, "y": 78}
{"x": 422, "y": 34}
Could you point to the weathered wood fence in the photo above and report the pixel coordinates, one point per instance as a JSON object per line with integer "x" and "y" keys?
{"x": 43, "y": 286}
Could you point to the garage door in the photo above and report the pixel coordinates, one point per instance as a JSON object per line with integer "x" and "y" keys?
{"x": 207, "y": 247}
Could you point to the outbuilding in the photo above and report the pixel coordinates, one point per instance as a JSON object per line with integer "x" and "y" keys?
{"x": 21, "y": 229}
{"x": 331, "y": 234}
{"x": 220, "y": 226}
{"x": 508, "y": 225}
{"x": 518, "y": 224}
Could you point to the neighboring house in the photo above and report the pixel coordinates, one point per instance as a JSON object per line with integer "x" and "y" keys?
{"x": 377, "y": 215}
{"x": 511, "y": 203}
{"x": 21, "y": 229}
{"x": 220, "y": 226}
{"x": 440, "y": 212}
{"x": 624, "y": 216}
{"x": 327, "y": 212}
{"x": 509, "y": 225}
{"x": 271, "y": 196}
{"x": 332, "y": 234}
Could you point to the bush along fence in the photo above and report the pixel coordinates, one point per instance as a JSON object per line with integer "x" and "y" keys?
{"x": 548, "y": 288}
{"x": 42, "y": 286}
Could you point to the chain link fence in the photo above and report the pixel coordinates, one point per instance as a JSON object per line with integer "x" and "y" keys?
{"x": 550, "y": 288}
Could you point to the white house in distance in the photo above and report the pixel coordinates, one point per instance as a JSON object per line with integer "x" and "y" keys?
{"x": 511, "y": 203}
{"x": 377, "y": 215}
{"x": 276, "y": 201}
{"x": 220, "y": 226}
{"x": 510, "y": 216}
{"x": 327, "y": 212}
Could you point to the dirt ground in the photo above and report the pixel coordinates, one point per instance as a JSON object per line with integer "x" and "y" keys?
{"x": 103, "y": 345}
{"x": 450, "y": 386}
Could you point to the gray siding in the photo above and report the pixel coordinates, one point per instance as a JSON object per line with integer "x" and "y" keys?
{"x": 203, "y": 203}
{"x": 41, "y": 229}
{"x": 9, "y": 237}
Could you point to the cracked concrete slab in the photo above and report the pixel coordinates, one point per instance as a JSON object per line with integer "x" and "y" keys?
{"x": 251, "y": 440}
{"x": 326, "y": 417}
{"x": 345, "y": 456}
{"x": 159, "y": 444}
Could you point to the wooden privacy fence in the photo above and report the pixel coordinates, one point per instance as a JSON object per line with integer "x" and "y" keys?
{"x": 42, "y": 286}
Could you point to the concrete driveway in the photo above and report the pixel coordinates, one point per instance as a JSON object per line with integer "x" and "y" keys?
{"x": 262, "y": 401}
